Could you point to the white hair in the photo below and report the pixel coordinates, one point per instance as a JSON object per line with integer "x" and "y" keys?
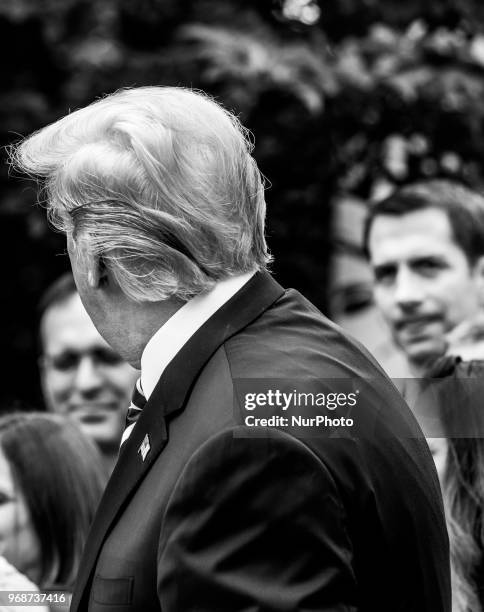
{"x": 160, "y": 183}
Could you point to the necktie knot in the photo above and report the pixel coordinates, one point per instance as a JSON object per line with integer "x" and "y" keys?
{"x": 138, "y": 401}
{"x": 137, "y": 398}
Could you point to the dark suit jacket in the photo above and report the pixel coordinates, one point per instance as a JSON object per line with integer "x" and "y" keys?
{"x": 219, "y": 517}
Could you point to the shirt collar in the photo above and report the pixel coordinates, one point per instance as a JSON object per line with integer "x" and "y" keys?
{"x": 180, "y": 327}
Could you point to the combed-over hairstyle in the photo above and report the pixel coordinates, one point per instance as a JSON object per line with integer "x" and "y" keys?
{"x": 157, "y": 181}
{"x": 464, "y": 208}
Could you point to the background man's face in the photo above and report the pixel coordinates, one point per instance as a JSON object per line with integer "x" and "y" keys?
{"x": 424, "y": 285}
{"x": 81, "y": 375}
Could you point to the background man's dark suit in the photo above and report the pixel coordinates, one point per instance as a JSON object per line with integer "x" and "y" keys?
{"x": 211, "y": 521}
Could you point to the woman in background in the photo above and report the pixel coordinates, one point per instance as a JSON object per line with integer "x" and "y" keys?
{"x": 51, "y": 480}
{"x": 459, "y": 460}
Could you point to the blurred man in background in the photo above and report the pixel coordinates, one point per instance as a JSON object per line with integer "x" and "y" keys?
{"x": 425, "y": 244}
{"x": 81, "y": 375}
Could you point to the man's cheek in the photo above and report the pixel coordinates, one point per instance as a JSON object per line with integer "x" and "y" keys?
{"x": 383, "y": 302}
{"x": 60, "y": 392}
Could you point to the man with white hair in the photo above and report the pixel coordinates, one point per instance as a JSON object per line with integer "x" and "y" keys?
{"x": 210, "y": 507}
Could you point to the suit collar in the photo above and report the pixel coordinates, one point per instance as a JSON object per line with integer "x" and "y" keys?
{"x": 168, "y": 397}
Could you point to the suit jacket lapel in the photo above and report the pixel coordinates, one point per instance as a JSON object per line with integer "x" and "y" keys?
{"x": 128, "y": 472}
{"x": 169, "y": 396}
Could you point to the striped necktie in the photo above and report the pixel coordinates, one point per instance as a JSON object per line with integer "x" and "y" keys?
{"x": 138, "y": 401}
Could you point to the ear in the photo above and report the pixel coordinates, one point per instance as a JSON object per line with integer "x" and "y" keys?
{"x": 97, "y": 273}
{"x": 91, "y": 266}
{"x": 478, "y": 273}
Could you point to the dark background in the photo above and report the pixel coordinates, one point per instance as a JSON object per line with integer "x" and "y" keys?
{"x": 345, "y": 99}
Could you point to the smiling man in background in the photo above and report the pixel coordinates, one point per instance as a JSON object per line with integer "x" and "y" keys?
{"x": 425, "y": 244}
{"x": 82, "y": 377}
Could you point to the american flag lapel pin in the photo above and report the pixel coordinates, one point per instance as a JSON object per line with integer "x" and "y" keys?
{"x": 144, "y": 447}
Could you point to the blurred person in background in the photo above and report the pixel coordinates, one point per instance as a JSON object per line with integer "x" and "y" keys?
{"x": 81, "y": 375}
{"x": 459, "y": 458}
{"x": 51, "y": 480}
{"x": 12, "y": 580}
{"x": 425, "y": 243}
